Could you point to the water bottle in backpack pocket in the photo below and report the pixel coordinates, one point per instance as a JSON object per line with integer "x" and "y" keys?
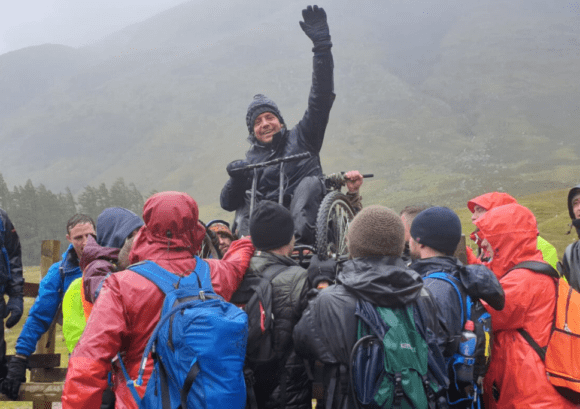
{"x": 470, "y": 362}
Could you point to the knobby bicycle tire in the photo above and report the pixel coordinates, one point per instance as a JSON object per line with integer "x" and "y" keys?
{"x": 332, "y": 221}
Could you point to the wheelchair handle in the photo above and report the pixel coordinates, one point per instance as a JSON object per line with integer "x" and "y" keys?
{"x": 273, "y": 162}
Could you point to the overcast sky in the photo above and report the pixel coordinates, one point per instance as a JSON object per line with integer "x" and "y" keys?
{"x": 70, "y": 22}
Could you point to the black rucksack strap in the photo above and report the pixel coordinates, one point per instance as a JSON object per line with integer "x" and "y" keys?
{"x": 538, "y": 267}
{"x": 187, "y": 383}
{"x": 398, "y": 393}
{"x": 251, "y": 401}
{"x": 539, "y": 350}
{"x": 332, "y": 386}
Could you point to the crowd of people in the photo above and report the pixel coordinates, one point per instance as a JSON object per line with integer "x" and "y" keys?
{"x": 402, "y": 272}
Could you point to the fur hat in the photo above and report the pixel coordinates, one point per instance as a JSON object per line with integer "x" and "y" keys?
{"x": 271, "y": 226}
{"x": 376, "y": 231}
{"x": 259, "y": 105}
{"x": 438, "y": 228}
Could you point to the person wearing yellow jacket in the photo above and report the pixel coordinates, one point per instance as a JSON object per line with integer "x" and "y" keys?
{"x": 109, "y": 253}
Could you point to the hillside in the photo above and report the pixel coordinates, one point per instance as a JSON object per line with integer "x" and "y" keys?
{"x": 441, "y": 101}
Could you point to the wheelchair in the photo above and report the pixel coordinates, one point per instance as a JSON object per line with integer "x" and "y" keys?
{"x": 333, "y": 218}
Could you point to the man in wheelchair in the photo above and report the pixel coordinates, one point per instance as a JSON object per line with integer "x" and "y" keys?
{"x": 271, "y": 139}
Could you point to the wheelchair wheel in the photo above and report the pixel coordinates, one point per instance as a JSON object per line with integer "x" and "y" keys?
{"x": 209, "y": 245}
{"x": 334, "y": 216}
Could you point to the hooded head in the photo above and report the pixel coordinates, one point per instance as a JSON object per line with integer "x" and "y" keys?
{"x": 114, "y": 225}
{"x": 259, "y": 105}
{"x": 171, "y": 225}
{"x": 573, "y": 194}
{"x": 512, "y": 232}
{"x": 376, "y": 231}
{"x": 490, "y": 200}
{"x": 438, "y": 228}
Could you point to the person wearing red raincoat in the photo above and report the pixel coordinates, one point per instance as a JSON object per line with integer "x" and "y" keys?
{"x": 481, "y": 204}
{"x": 128, "y": 308}
{"x": 516, "y": 377}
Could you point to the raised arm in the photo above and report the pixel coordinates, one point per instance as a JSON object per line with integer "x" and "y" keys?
{"x": 313, "y": 125}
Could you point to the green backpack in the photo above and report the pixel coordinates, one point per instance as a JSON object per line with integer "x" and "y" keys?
{"x": 389, "y": 362}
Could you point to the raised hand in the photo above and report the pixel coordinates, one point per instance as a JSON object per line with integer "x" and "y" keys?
{"x": 315, "y": 25}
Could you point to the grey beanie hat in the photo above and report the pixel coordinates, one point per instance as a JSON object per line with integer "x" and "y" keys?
{"x": 259, "y": 105}
{"x": 376, "y": 231}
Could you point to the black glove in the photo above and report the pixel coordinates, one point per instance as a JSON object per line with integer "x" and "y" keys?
{"x": 241, "y": 174}
{"x": 315, "y": 26}
{"x": 16, "y": 375}
{"x": 14, "y": 308}
{"x": 321, "y": 271}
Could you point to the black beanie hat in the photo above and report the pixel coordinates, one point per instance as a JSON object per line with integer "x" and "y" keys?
{"x": 259, "y": 105}
{"x": 376, "y": 231}
{"x": 438, "y": 228}
{"x": 271, "y": 226}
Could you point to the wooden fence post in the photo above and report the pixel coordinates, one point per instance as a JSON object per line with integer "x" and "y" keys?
{"x": 50, "y": 254}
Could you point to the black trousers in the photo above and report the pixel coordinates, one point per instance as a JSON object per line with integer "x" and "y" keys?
{"x": 303, "y": 205}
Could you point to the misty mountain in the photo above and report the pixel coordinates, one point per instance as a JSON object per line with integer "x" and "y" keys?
{"x": 440, "y": 100}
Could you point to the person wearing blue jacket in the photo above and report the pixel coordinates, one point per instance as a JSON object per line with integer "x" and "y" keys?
{"x": 271, "y": 139}
{"x": 50, "y": 293}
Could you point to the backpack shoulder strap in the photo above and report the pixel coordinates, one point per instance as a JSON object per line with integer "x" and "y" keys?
{"x": 456, "y": 284}
{"x": 537, "y": 267}
{"x": 200, "y": 277}
{"x": 165, "y": 280}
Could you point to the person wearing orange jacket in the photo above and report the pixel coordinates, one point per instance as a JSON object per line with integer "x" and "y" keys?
{"x": 128, "y": 308}
{"x": 481, "y": 204}
{"x": 516, "y": 377}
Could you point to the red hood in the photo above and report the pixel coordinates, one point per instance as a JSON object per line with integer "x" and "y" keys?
{"x": 490, "y": 200}
{"x": 512, "y": 232}
{"x": 171, "y": 227}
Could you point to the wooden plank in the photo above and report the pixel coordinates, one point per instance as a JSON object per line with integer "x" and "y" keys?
{"x": 42, "y": 360}
{"x": 48, "y": 374}
{"x": 30, "y": 290}
{"x": 46, "y": 392}
{"x": 50, "y": 254}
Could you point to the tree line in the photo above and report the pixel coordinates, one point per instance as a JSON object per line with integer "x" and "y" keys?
{"x": 39, "y": 214}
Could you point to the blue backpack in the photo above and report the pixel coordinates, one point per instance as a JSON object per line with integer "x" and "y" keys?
{"x": 472, "y": 310}
{"x": 198, "y": 346}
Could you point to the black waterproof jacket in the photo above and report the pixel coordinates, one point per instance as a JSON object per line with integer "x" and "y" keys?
{"x": 13, "y": 283}
{"x": 289, "y": 289}
{"x": 306, "y": 136}
{"x": 328, "y": 328}
{"x": 479, "y": 282}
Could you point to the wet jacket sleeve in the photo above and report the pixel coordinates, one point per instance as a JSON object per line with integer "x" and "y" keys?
{"x": 12, "y": 245}
{"x": 233, "y": 194}
{"x": 308, "y": 339}
{"x": 227, "y": 273}
{"x": 90, "y": 362}
{"x": 312, "y": 126}
{"x": 42, "y": 312}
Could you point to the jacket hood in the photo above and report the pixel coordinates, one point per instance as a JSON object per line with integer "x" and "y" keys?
{"x": 573, "y": 192}
{"x": 171, "y": 226}
{"x": 114, "y": 225}
{"x": 490, "y": 200}
{"x": 512, "y": 232}
{"x": 384, "y": 281}
{"x": 93, "y": 251}
{"x": 479, "y": 281}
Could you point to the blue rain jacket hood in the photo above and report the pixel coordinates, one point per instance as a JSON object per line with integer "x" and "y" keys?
{"x": 114, "y": 225}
